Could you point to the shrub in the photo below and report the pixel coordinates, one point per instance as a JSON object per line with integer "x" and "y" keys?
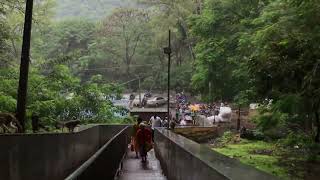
{"x": 277, "y": 119}
{"x": 226, "y": 137}
{"x": 7, "y": 103}
{"x": 301, "y": 140}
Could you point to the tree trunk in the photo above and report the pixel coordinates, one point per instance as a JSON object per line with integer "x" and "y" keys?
{"x": 128, "y": 70}
{"x": 15, "y": 51}
{"x": 24, "y": 66}
{"x": 177, "y": 57}
{"x": 210, "y": 92}
{"x": 308, "y": 125}
{"x": 127, "y": 58}
{"x": 238, "y": 121}
{"x": 317, "y": 138}
{"x": 192, "y": 52}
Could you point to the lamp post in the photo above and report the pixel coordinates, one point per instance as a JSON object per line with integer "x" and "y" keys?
{"x": 24, "y": 65}
{"x": 168, "y": 51}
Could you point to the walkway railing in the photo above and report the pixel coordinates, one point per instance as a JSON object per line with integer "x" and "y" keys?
{"x": 51, "y": 156}
{"x": 105, "y": 162}
{"x": 97, "y": 152}
{"x": 184, "y": 159}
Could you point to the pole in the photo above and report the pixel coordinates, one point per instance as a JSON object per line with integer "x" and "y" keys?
{"x": 210, "y": 83}
{"x": 238, "y": 120}
{"x": 210, "y": 92}
{"x": 24, "y": 65}
{"x": 169, "y": 63}
{"x": 140, "y": 105}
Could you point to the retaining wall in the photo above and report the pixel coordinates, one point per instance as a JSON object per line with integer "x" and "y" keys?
{"x": 197, "y": 133}
{"x": 50, "y": 156}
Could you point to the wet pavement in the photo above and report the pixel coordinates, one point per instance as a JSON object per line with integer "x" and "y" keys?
{"x": 134, "y": 169}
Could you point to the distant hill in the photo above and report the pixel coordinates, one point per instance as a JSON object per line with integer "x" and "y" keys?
{"x": 90, "y": 9}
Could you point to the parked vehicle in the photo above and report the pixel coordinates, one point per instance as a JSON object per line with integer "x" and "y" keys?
{"x": 156, "y": 101}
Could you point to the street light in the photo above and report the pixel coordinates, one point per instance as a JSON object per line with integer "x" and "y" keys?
{"x": 168, "y": 51}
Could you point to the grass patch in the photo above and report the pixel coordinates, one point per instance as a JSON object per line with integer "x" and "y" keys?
{"x": 258, "y": 154}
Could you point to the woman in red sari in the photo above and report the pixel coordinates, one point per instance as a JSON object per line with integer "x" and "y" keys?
{"x": 144, "y": 141}
{"x": 134, "y": 142}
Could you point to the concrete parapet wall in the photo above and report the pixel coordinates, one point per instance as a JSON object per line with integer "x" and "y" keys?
{"x": 184, "y": 159}
{"x": 198, "y": 134}
{"x": 104, "y": 164}
{"x": 50, "y": 156}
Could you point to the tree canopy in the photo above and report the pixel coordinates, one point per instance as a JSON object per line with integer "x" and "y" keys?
{"x": 239, "y": 51}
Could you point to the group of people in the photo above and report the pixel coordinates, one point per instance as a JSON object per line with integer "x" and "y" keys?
{"x": 210, "y": 109}
{"x": 184, "y": 114}
{"x": 186, "y": 111}
{"x": 142, "y": 137}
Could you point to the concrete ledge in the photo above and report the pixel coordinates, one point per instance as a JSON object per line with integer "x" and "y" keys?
{"x": 184, "y": 159}
{"x": 197, "y": 133}
{"x": 105, "y": 162}
{"x": 50, "y": 155}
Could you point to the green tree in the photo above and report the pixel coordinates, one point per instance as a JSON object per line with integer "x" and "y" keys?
{"x": 286, "y": 50}
{"x": 220, "y": 60}
{"x": 4, "y": 34}
{"x": 122, "y": 35}
{"x": 65, "y": 42}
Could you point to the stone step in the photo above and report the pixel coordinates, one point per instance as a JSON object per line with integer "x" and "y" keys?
{"x": 134, "y": 169}
{"x": 141, "y": 177}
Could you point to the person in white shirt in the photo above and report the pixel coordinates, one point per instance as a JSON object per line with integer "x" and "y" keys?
{"x": 152, "y": 118}
{"x": 155, "y": 122}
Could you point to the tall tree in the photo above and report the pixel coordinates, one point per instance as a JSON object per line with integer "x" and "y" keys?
{"x": 173, "y": 14}
{"x": 123, "y": 33}
{"x": 4, "y": 36}
{"x": 285, "y": 48}
{"x": 221, "y": 61}
{"x": 65, "y": 42}
{"x": 24, "y": 66}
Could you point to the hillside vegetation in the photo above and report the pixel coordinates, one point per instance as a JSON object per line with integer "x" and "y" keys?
{"x": 90, "y": 9}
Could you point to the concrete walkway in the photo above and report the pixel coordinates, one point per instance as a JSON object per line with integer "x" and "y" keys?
{"x": 133, "y": 169}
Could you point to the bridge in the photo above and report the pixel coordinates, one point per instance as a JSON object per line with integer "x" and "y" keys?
{"x": 101, "y": 152}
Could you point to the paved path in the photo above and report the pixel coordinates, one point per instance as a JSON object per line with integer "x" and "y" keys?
{"x": 133, "y": 169}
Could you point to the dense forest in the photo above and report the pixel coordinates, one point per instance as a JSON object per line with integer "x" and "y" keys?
{"x": 240, "y": 51}
{"x": 93, "y": 10}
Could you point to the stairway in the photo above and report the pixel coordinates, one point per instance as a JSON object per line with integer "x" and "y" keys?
{"x": 134, "y": 169}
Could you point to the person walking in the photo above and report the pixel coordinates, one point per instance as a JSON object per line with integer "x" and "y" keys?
{"x": 134, "y": 142}
{"x": 144, "y": 141}
{"x": 155, "y": 122}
